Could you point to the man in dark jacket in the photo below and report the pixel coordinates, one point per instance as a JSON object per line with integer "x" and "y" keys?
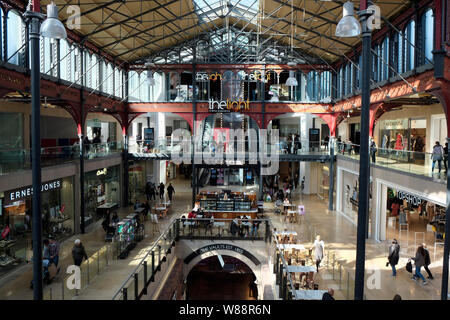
{"x": 78, "y": 253}
{"x": 161, "y": 191}
{"x": 328, "y": 295}
{"x": 170, "y": 191}
{"x": 427, "y": 261}
{"x": 394, "y": 255}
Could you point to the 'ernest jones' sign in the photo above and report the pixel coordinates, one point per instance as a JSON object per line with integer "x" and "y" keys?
{"x": 27, "y": 192}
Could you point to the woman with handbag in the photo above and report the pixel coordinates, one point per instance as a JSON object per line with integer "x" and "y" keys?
{"x": 394, "y": 256}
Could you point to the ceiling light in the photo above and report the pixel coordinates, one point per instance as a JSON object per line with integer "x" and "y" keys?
{"x": 52, "y": 27}
{"x": 150, "y": 80}
{"x": 348, "y": 26}
{"x": 292, "y": 81}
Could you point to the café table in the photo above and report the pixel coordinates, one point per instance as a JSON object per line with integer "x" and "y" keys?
{"x": 309, "y": 294}
{"x": 301, "y": 269}
{"x": 289, "y": 246}
{"x": 285, "y": 233}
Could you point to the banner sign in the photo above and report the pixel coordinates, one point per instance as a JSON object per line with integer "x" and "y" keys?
{"x": 228, "y": 105}
{"x": 220, "y": 246}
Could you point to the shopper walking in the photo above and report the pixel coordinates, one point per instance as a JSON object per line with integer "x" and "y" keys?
{"x": 319, "y": 248}
{"x": 147, "y": 190}
{"x": 394, "y": 256}
{"x": 54, "y": 248}
{"x": 437, "y": 155}
{"x": 161, "y": 191}
{"x": 419, "y": 261}
{"x": 373, "y": 149}
{"x": 78, "y": 253}
{"x": 445, "y": 156}
{"x": 427, "y": 261}
{"x": 170, "y": 191}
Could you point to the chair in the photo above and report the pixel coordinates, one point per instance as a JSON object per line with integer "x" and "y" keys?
{"x": 291, "y": 239}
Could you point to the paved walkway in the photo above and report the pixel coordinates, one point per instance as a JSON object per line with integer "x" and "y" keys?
{"x": 337, "y": 232}
{"x": 339, "y": 236}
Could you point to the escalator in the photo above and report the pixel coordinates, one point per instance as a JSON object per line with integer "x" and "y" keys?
{"x": 204, "y": 174}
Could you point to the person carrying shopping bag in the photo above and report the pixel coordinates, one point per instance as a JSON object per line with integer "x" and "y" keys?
{"x": 419, "y": 261}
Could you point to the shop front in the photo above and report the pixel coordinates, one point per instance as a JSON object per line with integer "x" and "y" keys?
{"x": 406, "y": 213}
{"x": 348, "y": 195}
{"x": 16, "y": 219}
{"x": 102, "y": 189}
{"x": 403, "y": 134}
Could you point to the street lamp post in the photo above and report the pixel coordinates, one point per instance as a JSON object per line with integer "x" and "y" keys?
{"x": 350, "y": 27}
{"x": 52, "y": 28}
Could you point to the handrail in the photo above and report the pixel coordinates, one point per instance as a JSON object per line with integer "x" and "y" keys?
{"x": 146, "y": 255}
{"x": 163, "y": 234}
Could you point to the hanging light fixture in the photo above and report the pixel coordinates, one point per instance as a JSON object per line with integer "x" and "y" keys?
{"x": 52, "y": 27}
{"x": 150, "y": 79}
{"x": 292, "y": 81}
{"x": 348, "y": 114}
{"x": 348, "y": 26}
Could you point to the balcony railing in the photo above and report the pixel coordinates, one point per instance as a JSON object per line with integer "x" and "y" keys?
{"x": 14, "y": 160}
{"x": 419, "y": 163}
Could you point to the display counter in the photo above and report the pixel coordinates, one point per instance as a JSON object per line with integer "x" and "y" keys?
{"x": 228, "y": 205}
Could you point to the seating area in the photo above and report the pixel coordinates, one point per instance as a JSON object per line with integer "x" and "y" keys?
{"x": 300, "y": 264}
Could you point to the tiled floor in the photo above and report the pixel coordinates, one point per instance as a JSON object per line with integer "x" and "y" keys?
{"x": 339, "y": 236}
{"x": 337, "y": 232}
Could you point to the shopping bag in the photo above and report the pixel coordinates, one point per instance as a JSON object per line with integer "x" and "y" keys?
{"x": 409, "y": 267}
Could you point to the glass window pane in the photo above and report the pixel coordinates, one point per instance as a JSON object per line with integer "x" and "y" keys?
{"x": 14, "y": 26}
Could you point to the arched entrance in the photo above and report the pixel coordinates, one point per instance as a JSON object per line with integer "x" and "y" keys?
{"x": 209, "y": 280}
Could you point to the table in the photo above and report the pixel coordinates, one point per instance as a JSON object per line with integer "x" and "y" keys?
{"x": 285, "y": 233}
{"x": 139, "y": 210}
{"x": 304, "y": 269}
{"x": 162, "y": 209}
{"x": 101, "y": 210}
{"x": 289, "y": 246}
{"x": 309, "y": 294}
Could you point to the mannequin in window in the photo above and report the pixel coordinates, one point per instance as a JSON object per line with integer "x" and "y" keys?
{"x": 399, "y": 142}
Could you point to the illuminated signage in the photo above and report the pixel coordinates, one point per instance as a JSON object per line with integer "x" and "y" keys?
{"x": 412, "y": 199}
{"x": 228, "y": 105}
{"x": 27, "y": 192}
{"x": 252, "y": 77}
{"x": 102, "y": 172}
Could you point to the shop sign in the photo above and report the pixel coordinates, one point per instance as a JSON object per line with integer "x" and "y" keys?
{"x": 27, "y": 192}
{"x": 221, "y": 246}
{"x": 411, "y": 199}
{"x": 228, "y": 105}
{"x": 252, "y": 77}
{"x": 102, "y": 172}
{"x": 396, "y": 124}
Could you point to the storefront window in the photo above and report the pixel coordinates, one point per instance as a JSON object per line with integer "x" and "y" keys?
{"x": 16, "y": 219}
{"x": 101, "y": 187}
{"x": 403, "y": 134}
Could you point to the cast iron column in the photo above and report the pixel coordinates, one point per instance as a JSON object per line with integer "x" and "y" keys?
{"x": 126, "y": 199}
{"x": 34, "y": 26}
{"x": 194, "y": 125}
{"x": 81, "y": 135}
{"x": 364, "y": 164}
{"x": 263, "y": 116}
{"x": 331, "y": 189}
{"x": 444, "y": 287}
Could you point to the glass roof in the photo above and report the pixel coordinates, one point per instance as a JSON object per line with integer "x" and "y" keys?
{"x": 210, "y": 10}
